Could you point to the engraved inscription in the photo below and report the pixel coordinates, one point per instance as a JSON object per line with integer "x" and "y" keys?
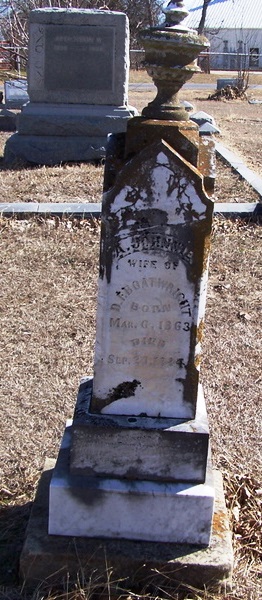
{"x": 159, "y": 243}
{"x": 139, "y": 360}
{"x": 150, "y": 313}
{"x": 149, "y": 283}
{"x": 146, "y": 240}
{"x": 154, "y": 251}
{"x": 79, "y": 58}
{"x": 37, "y": 41}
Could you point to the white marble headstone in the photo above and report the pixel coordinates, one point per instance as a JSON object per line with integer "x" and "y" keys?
{"x": 156, "y": 225}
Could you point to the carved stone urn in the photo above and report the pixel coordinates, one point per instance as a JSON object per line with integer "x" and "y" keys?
{"x": 170, "y": 59}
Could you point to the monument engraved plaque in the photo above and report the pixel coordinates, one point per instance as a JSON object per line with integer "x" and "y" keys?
{"x": 77, "y": 86}
{"x": 84, "y": 57}
{"x": 156, "y": 223}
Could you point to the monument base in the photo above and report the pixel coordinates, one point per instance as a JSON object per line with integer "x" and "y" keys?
{"x": 156, "y": 448}
{"x": 53, "y": 133}
{"x": 54, "y": 560}
{"x": 130, "y": 509}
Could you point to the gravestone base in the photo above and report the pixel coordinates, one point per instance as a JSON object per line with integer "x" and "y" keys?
{"x": 128, "y": 508}
{"x": 56, "y": 560}
{"x": 7, "y": 120}
{"x": 53, "y": 133}
{"x": 39, "y": 118}
{"x": 163, "y": 449}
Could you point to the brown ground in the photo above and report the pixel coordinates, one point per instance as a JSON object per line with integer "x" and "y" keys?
{"x": 48, "y": 298}
{"x": 48, "y": 273}
{"x": 241, "y": 130}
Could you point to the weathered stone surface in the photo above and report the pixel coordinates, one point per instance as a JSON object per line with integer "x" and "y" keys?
{"x": 160, "y": 449}
{"x": 77, "y": 85}
{"x": 183, "y": 136}
{"x": 54, "y": 559}
{"x": 78, "y": 56}
{"x": 77, "y": 120}
{"x": 170, "y": 53}
{"x": 153, "y": 271}
{"x": 52, "y": 150}
{"x": 141, "y": 510}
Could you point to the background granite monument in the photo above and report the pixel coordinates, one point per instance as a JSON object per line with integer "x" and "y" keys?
{"x": 77, "y": 86}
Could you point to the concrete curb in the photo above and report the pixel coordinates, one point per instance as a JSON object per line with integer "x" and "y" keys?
{"x": 237, "y": 165}
{"x": 82, "y": 210}
{"x": 22, "y": 210}
{"x": 88, "y": 210}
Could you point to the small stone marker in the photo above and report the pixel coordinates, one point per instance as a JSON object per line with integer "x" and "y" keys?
{"x": 201, "y": 117}
{"x": 222, "y": 83}
{"x": 77, "y": 85}
{"x": 16, "y": 93}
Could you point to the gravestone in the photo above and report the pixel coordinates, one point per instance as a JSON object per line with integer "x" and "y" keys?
{"x": 77, "y": 86}
{"x": 152, "y": 288}
{"x": 153, "y": 274}
{"x": 134, "y": 478}
{"x": 16, "y": 93}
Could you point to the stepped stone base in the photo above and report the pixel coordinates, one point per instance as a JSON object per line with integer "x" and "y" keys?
{"x": 53, "y": 133}
{"x": 51, "y": 559}
{"x": 130, "y": 509}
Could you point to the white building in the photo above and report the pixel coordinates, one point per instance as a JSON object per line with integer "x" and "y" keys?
{"x": 234, "y": 29}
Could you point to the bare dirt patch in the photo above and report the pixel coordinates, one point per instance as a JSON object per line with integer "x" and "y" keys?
{"x": 48, "y": 302}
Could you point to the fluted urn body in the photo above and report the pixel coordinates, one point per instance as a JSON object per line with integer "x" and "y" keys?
{"x": 170, "y": 59}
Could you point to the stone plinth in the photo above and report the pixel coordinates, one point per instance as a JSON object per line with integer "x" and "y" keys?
{"x": 77, "y": 86}
{"x": 128, "y": 509}
{"x": 160, "y": 449}
{"x": 50, "y": 559}
{"x": 71, "y": 120}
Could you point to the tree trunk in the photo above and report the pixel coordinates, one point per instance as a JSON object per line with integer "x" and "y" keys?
{"x": 201, "y": 25}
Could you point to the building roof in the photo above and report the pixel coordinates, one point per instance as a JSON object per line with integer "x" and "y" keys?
{"x": 225, "y": 14}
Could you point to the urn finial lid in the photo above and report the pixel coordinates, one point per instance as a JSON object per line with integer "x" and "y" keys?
{"x": 175, "y": 12}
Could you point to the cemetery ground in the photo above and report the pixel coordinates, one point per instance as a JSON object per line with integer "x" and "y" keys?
{"x": 49, "y": 270}
{"x": 241, "y": 131}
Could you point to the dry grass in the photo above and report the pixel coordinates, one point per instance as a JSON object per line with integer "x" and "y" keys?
{"x": 240, "y": 123}
{"x": 80, "y": 182}
{"x": 241, "y": 130}
{"x": 48, "y": 299}
{"x": 231, "y": 373}
{"x": 141, "y": 76}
